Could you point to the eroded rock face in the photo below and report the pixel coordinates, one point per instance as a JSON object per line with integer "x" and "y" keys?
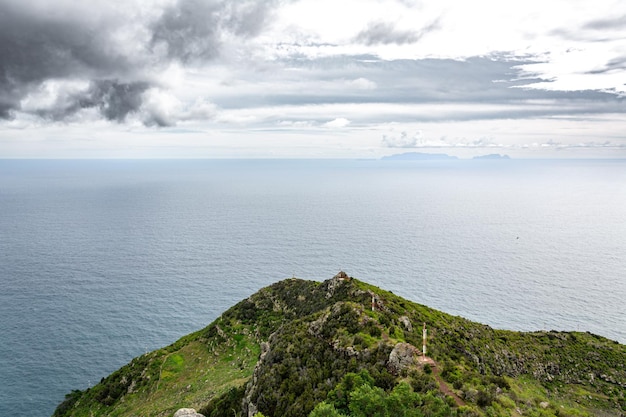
{"x": 187, "y": 412}
{"x": 401, "y": 357}
{"x": 250, "y": 408}
{"x": 333, "y": 283}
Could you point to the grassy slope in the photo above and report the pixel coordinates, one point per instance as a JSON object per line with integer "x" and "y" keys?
{"x": 186, "y": 374}
{"x": 318, "y": 332}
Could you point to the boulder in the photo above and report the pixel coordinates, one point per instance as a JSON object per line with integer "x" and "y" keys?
{"x": 187, "y": 412}
{"x": 401, "y": 357}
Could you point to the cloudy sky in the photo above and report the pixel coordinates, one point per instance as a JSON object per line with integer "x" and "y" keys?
{"x": 312, "y": 78}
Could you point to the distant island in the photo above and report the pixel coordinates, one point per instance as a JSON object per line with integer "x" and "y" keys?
{"x": 492, "y": 156}
{"x": 345, "y": 348}
{"x": 418, "y": 156}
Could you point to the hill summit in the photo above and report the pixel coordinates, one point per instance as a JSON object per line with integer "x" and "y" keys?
{"x": 343, "y": 347}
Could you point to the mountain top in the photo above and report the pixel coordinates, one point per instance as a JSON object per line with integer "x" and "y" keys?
{"x": 344, "y": 347}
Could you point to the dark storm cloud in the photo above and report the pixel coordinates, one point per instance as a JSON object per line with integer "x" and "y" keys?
{"x": 114, "y": 99}
{"x": 50, "y": 43}
{"x": 35, "y": 48}
{"x": 386, "y": 33}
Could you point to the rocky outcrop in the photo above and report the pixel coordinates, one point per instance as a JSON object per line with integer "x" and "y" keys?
{"x": 401, "y": 357}
{"x": 187, "y": 412}
{"x": 316, "y": 326}
{"x": 250, "y": 408}
{"x": 335, "y": 282}
{"x": 406, "y": 322}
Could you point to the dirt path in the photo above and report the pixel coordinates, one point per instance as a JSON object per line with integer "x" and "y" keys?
{"x": 443, "y": 386}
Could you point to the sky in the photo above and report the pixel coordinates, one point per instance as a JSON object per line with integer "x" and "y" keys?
{"x": 312, "y": 78}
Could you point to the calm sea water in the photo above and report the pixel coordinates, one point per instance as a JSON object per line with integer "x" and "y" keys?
{"x": 101, "y": 261}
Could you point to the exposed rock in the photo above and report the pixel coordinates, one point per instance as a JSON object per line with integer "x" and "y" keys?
{"x": 250, "y": 409}
{"x": 221, "y": 332}
{"x": 335, "y": 282}
{"x": 316, "y": 326}
{"x": 546, "y": 371}
{"x": 406, "y": 322}
{"x": 401, "y": 357}
{"x": 544, "y": 404}
{"x": 351, "y": 352}
{"x": 187, "y": 412}
{"x": 265, "y": 347}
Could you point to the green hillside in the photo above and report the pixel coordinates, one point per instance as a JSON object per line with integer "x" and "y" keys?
{"x": 343, "y": 347}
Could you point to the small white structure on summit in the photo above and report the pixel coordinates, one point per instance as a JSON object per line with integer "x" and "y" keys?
{"x": 424, "y": 340}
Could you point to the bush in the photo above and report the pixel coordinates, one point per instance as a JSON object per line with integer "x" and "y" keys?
{"x": 66, "y": 406}
{"x": 226, "y": 404}
{"x": 421, "y": 382}
{"x": 373, "y": 330}
{"x": 484, "y": 398}
{"x": 324, "y": 409}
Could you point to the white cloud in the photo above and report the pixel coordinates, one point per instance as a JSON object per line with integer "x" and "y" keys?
{"x": 466, "y": 29}
{"x": 580, "y": 69}
{"x": 513, "y": 74}
{"x": 296, "y": 124}
{"x": 338, "y": 123}
{"x": 362, "y": 84}
{"x": 52, "y": 94}
{"x": 160, "y": 108}
{"x": 403, "y": 140}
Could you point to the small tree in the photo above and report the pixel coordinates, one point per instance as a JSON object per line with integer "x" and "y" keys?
{"x": 325, "y": 409}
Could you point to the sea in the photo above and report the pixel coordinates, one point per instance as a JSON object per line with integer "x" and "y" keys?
{"x": 104, "y": 260}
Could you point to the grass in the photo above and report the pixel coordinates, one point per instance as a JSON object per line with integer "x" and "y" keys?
{"x": 189, "y": 377}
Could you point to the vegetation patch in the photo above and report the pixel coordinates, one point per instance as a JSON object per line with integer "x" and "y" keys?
{"x": 323, "y": 349}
